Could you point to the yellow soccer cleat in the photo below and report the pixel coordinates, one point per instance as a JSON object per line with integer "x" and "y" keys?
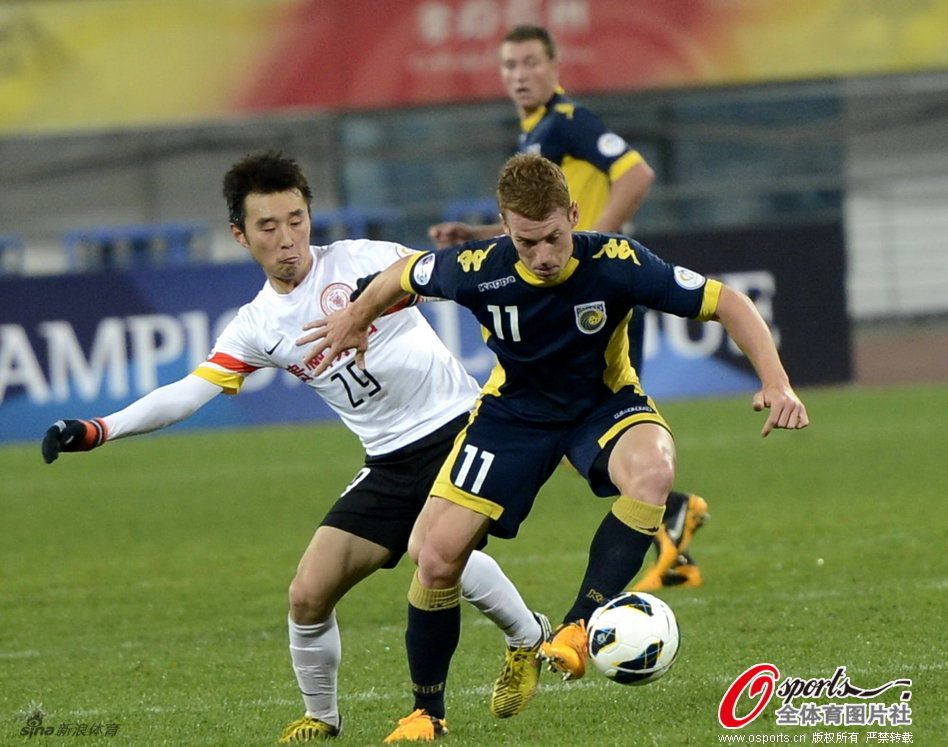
{"x": 309, "y": 729}
{"x": 673, "y": 566}
{"x": 684, "y": 573}
{"x": 568, "y": 650}
{"x": 667, "y": 556}
{"x": 518, "y": 680}
{"x": 418, "y": 727}
{"x": 695, "y": 516}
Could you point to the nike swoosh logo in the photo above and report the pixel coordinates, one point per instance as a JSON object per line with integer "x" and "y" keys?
{"x": 270, "y": 351}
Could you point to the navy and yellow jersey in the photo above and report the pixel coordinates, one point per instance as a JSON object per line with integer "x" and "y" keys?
{"x": 591, "y": 156}
{"x": 561, "y": 345}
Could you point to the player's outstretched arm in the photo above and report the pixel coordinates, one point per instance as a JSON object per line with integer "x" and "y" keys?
{"x": 160, "y": 408}
{"x": 348, "y": 329}
{"x": 750, "y": 332}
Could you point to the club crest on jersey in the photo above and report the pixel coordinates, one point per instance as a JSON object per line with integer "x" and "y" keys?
{"x": 590, "y": 317}
{"x": 335, "y": 297}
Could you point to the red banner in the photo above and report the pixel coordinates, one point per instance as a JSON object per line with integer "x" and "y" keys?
{"x": 372, "y": 53}
{"x": 68, "y": 64}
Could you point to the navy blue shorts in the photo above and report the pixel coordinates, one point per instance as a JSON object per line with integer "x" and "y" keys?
{"x": 499, "y": 463}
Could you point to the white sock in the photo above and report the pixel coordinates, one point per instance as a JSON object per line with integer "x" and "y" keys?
{"x": 316, "y": 651}
{"x": 484, "y": 585}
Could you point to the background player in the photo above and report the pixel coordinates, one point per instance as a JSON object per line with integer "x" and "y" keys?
{"x": 406, "y": 410}
{"x": 606, "y": 176}
{"x": 555, "y": 305}
{"x": 608, "y": 179}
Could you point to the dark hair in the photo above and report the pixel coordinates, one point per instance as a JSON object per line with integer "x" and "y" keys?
{"x": 265, "y": 172}
{"x": 526, "y": 32}
{"x": 532, "y": 186}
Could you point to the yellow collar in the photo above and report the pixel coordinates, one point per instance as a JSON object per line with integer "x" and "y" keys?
{"x": 528, "y": 123}
{"x": 532, "y": 279}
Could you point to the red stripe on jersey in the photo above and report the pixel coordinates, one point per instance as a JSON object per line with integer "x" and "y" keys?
{"x": 231, "y": 363}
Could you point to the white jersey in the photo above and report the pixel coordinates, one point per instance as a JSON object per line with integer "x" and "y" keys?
{"x": 412, "y": 384}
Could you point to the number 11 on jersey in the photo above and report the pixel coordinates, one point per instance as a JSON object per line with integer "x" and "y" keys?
{"x": 497, "y": 313}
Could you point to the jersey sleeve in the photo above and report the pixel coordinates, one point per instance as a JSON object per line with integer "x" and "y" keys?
{"x": 587, "y": 138}
{"x": 433, "y": 274}
{"x": 234, "y": 357}
{"x": 225, "y": 371}
{"x": 672, "y": 288}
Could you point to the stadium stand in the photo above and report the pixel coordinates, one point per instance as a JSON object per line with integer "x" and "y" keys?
{"x": 352, "y": 222}
{"x": 134, "y": 246}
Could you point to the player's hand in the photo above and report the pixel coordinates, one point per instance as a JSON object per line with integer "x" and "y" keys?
{"x": 333, "y": 336}
{"x": 786, "y": 409}
{"x": 72, "y": 435}
{"x": 450, "y": 233}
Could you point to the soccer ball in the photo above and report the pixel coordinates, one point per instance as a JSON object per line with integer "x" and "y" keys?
{"x": 633, "y": 638}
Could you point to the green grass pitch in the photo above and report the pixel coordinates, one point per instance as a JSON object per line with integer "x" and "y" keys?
{"x": 144, "y": 584}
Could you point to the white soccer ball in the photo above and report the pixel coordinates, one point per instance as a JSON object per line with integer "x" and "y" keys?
{"x": 633, "y": 638}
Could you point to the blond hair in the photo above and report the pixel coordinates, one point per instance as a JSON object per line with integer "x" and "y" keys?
{"x": 532, "y": 186}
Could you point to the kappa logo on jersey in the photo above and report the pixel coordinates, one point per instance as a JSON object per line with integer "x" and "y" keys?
{"x": 688, "y": 279}
{"x": 590, "y": 317}
{"x": 471, "y": 259}
{"x": 404, "y": 251}
{"x": 335, "y": 297}
{"x": 496, "y": 284}
{"x": 421, "y": 272}
{"x": 617, "y": 249}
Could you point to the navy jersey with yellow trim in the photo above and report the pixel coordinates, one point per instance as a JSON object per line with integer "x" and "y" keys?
{"x": 591, "y": 155}
{"x": 561, "y": 346}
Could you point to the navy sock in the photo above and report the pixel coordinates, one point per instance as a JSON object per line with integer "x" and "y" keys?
{"x": 431, "y": 639}
{"x": 615, "y": 556}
